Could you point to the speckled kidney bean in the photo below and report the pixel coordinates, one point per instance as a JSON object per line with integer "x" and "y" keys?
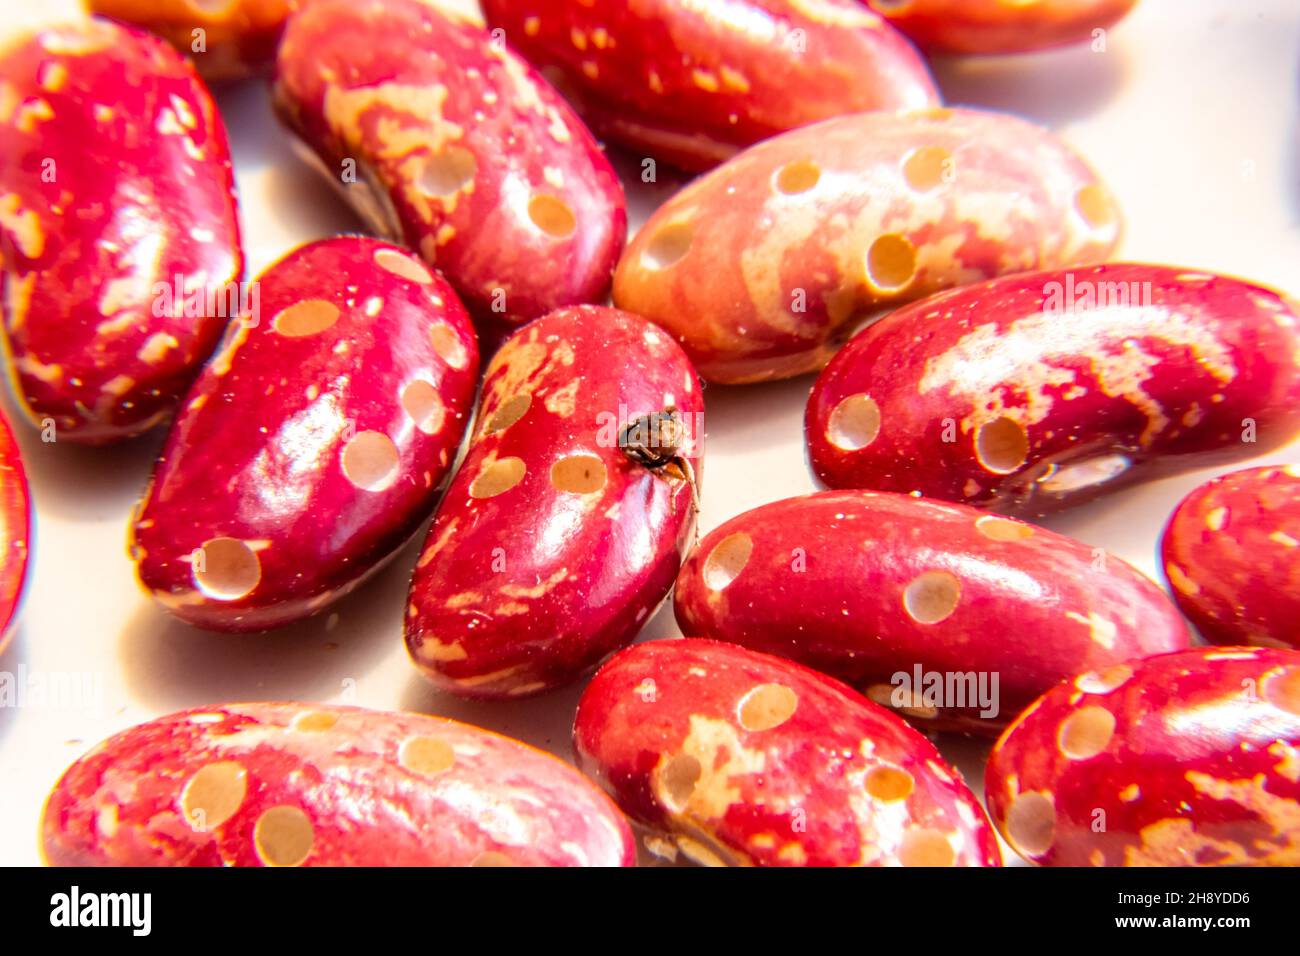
{"x": 762, "y": 267}
{"x": 1187, "y": 759}
{"x": 460, "y": 148}
{"x": 92, "y": 239}
{"x": 1038, "y": 391}
{"x": 226, "y": 39}
{"x": 1000, "y": 26}
{"x": 954, "y": 617}
{"x": 1230, "y": 553}
{"x": 292, "y": 784}
{"x": 692, "y": 83}
{"x": 565, "y": 526}
{"x": 313, "y": 443}
{"x": 15, "y": 531}
{"x": 730, "y": 757}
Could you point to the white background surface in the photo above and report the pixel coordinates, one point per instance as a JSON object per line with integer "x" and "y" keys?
{"x": 1192, "y": 115}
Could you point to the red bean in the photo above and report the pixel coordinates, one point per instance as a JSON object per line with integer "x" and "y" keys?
{"x": 1038, "y": 391}
{"x": 1000, "y": 26}
{"x": 15, "y": 532}
{"x": 1186, "y": 759}
{"x": 733, "y": 757}
{"x": 691, "y": 83}
{"x": 121, "y": 261}
{"x": 1229, "y": 552}
{"x": 557, "y": 538}
{"x": 342, "y": 400}
{"x": 954, "y": 617}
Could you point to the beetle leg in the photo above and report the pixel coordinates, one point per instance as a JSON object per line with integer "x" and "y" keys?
{"x": 680, "y": 469}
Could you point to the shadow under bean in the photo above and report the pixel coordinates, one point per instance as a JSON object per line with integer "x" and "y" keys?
{"x": 169, "y": 665}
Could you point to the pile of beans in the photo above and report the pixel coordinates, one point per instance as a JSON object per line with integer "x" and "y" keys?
{"x": 315, "y": 425}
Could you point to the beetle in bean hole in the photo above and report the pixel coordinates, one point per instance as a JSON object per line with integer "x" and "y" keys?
{"x": 655, "y": 441}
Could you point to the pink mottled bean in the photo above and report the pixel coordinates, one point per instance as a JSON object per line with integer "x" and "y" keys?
{"x": 730, "y": 757}
{"x": 763, "y": 267}
{"x": 1186, "y": 759}
{"x": 227, "y": 39}
{"x": 458, "y": 147}
{"x": 294, "y": 784}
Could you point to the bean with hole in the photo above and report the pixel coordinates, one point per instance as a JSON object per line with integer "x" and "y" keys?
{"x": 763, "y": 267}
{"x": 313, "y": 444}
{"x": 294, "y": 784}
{"x": 728, "y": 757}
{"x": 444, "y": 138}
{"x": 1039, "y": 391}
{"x": 953, "y": 617}
{"x": 1186, "y": 759}
{"x": 565, "y": 526}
